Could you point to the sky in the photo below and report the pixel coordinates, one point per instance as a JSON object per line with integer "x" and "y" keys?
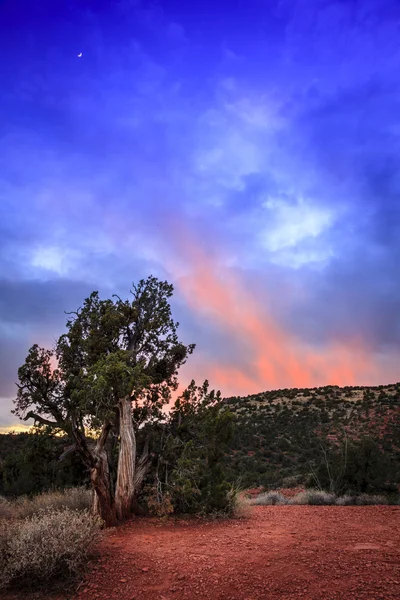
{"x": 246, "y": 150}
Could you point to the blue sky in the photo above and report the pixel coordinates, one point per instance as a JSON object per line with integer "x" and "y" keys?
{"x": 246, "y": 151}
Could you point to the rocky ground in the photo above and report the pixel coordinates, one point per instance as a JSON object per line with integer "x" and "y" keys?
{"x": 278, "y": 552}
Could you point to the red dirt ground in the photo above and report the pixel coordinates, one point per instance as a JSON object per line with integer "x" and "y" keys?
{"x": 279, "y": 552}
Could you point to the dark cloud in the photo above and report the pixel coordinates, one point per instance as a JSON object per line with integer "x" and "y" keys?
{"x": 31, "y": 312}
{"x": 12, "y": 355}
{"x": 353, "y": 138}
{"x": 39, "y": 302}
{"x": 358, "y": 298}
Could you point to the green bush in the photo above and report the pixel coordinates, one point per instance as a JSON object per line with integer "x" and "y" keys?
{"x": 30, "y": 464}
{"x": 357, "y": 466}
{"x": 292, "y": 481}
{"x": 198, "y": 485}
{"x": 200, "y": 428}
{"x": 52, "y": 543}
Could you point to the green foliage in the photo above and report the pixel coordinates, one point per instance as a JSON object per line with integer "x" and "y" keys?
{"x": 190, "y": 468}
{"x": 114, "y": 353}
{"x": 357, "y": 466}
{"x": 112, "y": 349}
{"x": 197, "y": 482}
{"x": 30, "y": 463}
{"x": 279, "y": 433}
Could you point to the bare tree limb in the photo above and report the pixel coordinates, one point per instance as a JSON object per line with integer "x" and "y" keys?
{"x": 67, "y": 451}
{"x": 105, "y": 430}
{"x": 39, "y": 419}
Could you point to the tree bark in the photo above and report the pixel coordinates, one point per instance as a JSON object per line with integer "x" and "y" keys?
{"x": 125, "y": 488}
{"x": 96, "y": 460}
{"x": 103, "y": 503}
{"x": 142, "y": 468}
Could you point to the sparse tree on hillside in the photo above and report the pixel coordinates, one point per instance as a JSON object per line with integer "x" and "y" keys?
{"x": 117, "y": 358}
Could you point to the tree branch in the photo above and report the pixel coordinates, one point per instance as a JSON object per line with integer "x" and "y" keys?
{"x": 103, "y": 436}
{"x": 32, "y": 415}
{"x": 67, "y": 451}
{"x": 73, "y": 312}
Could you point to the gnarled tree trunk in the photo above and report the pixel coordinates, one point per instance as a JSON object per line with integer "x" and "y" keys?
{"x": 103, "y": 502}
{"x": 142, "y": 468}
{"x": 96, "y": 460}
{"x": 125, "y": 487}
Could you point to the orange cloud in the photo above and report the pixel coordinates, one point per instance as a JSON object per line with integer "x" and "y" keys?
{"x": 274, "y": 358}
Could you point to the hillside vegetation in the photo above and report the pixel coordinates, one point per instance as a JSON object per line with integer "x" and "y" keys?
{"x": 280, "y": 437}
{"x": 30, "y": 463}
{"x": 285, "y": 434}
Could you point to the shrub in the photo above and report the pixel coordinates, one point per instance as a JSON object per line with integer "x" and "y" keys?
{"x": 6, "y": 511}
{"x": 361, "y": 500}
{"x": 346, "y": 500}
{"x": 52, "y": 543}
{"x": 370, "y": 499}
{"x": 314, "y": 498}
{"x": 239, "y": 503}
{"x": 158, "y": 503}
{"x": 200, "y": 429}
{"x": 357, "y": 466}
{"x": 73, "y": 498}
{"x": 292, "y": 481}
{"x": 270, "y": 498}
{"x": 30, "y": 463}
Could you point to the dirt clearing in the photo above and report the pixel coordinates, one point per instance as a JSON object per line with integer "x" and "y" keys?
{"x": 279, "y": 552}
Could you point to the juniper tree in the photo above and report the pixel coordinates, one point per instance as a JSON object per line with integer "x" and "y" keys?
{"x": 190, "y": 469}
{"x": 118, "y": 360}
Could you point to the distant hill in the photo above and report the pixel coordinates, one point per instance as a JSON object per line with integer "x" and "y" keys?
{"x": 277, "y": 439}
{"x": 279, "y": 433}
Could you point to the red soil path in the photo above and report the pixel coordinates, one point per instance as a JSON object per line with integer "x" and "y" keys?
{"x": 280, "y": 552}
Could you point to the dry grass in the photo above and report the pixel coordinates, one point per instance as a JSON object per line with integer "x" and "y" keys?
{"x": 51, "y": 544}
{"x": 313, "y": 498}
{"x": 23, "y": 507}
{"x": 270, "y": 499}
{"x": 361, "y": 500}
{"x": 6, "y": 509}
{"x": 346, "y": 500}
{"x": 241, "y": 505}
{"x": 318, "y": 498}
{"x": 370, "y": 499}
